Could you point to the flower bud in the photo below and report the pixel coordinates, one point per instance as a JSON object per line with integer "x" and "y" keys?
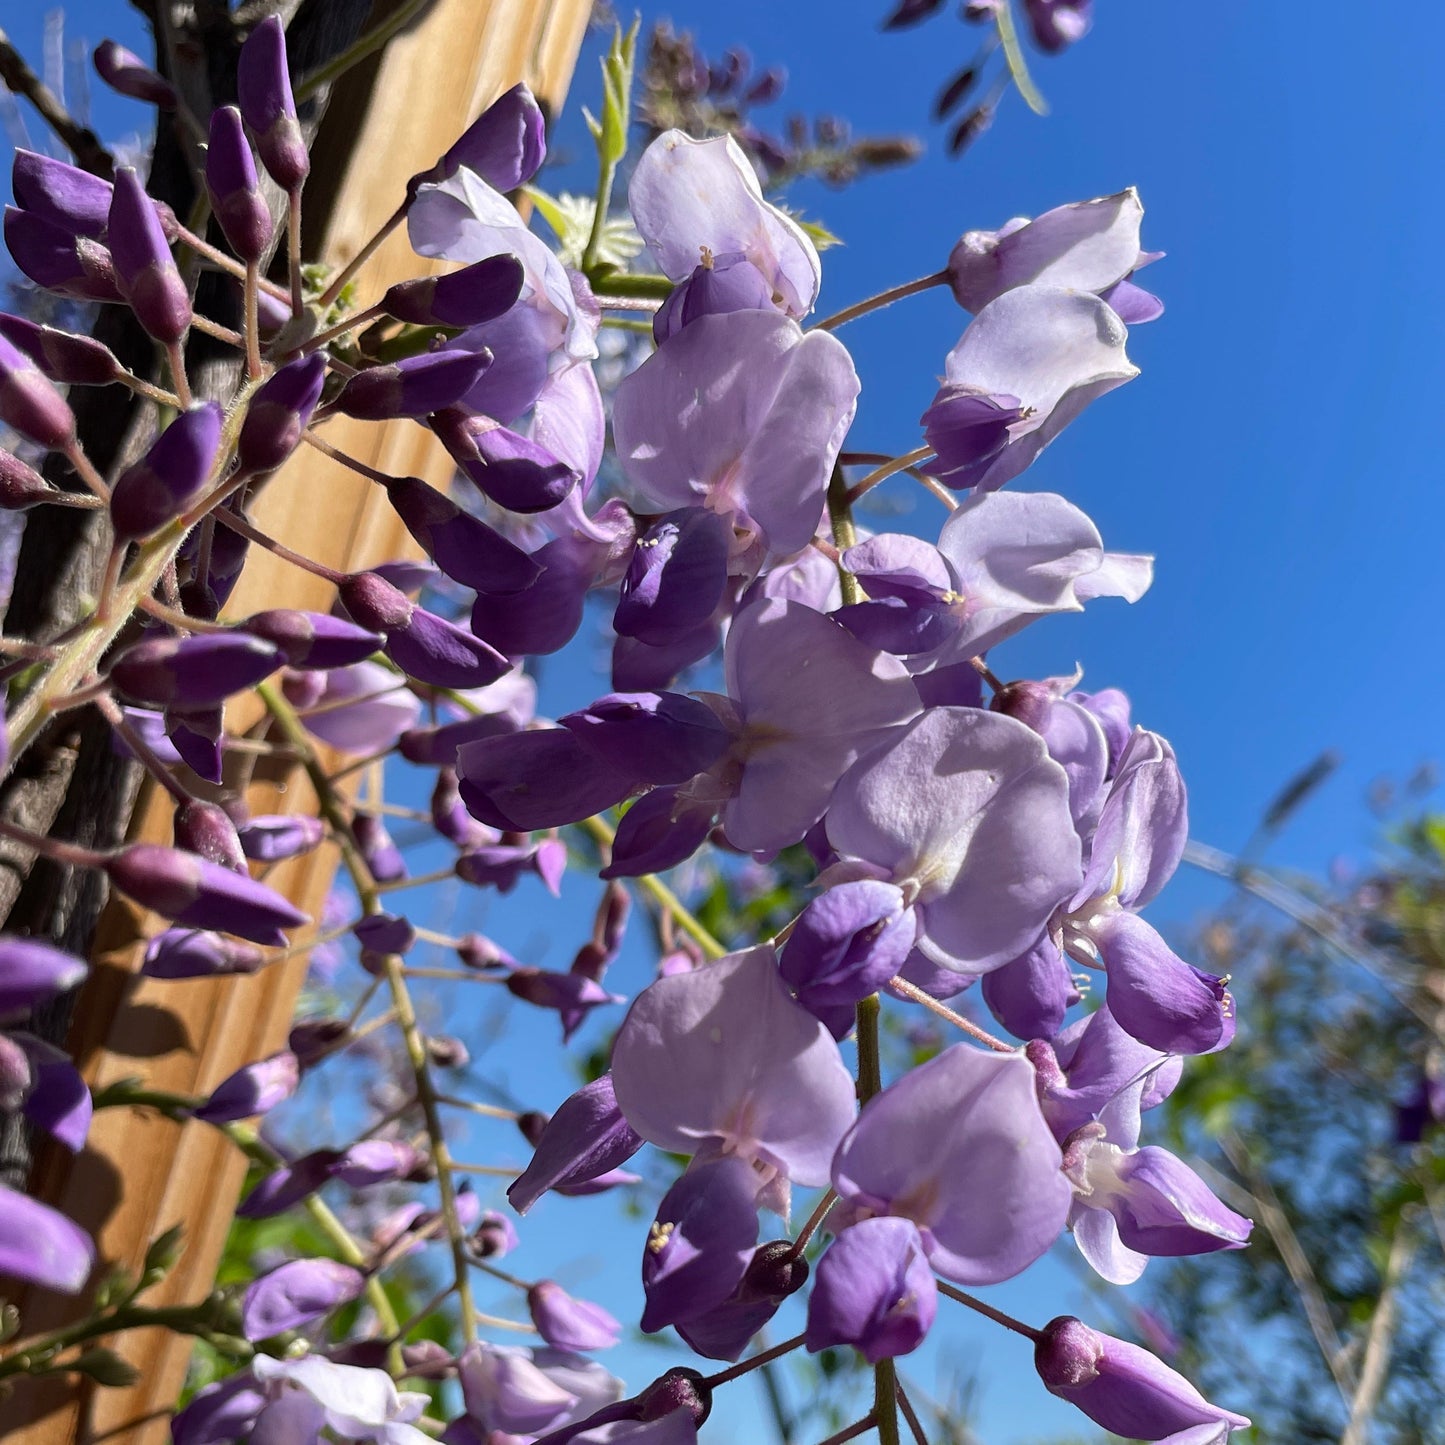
{"x": 679, "y": 1389}
{"x": 194, "y": 953}
{"x": 22, "y": 487}
{"x": 65, "y": 359}
{"x": 254, "y": 1089}
{"x": 385, "y": 933}
{"x": 874, "y": 1290}
{"x": 729, "y": 282}
{"x": 480, "y": 292}
{"x": 505, "y": 145}
{"x": 157, "y": 489}
{"x": 190, "y": 890}
{"x": 312, "y": 1039}
{"x": 379, "y": 1161}
{"x": 314, "y": 640}
{"x": 124, "y": 71}
{"x": 586, "y": 1138}
{"x": 207, "y": 829}
{"x": 59, "y": 260}
{"x": 463, "y": 546}
{"x": 450, "y": 817}
{"x": 297, "y": 1293}
{"x": 512, "y": 470}
{"x": 263, "y": 88}
{"x": 379, "y": 850}
{"x": 279, "y": 413}
{"x": 570, "y": 1324}
{"x": 61, "y": 193}
{"x": 39, "y": 1244}
{"x": 198, "y": 736}
{"x": 30, "y": 403}
{"x": 414, "y": 386}
{"x": 481, "y": 953}
{"x": 274, "y": 836}
{"x": 196, "y": 671}
{"x": 494, "y": 1236}
{"x": 1120, "y": 1386}
{"x": 240, "y": 208}
{"x": 31, "y": 972}
{"x": 447, "y": 1052}
{"x": 144, "y": 266}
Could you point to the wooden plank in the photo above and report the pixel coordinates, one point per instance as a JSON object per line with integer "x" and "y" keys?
{"x": 140, "y": 1174}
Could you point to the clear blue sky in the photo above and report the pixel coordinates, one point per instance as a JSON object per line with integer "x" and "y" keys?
{"x": 1278, "y": 453}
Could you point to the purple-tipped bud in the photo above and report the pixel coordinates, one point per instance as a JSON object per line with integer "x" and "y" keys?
{"x": 314, "y": 640}
{"x": 144, "y": 266}
{"x": 194, "y": 672}
{"x": 274, "y": 836}
{"x": 494, "y": 1236}
{"x": 847, "y": 944}
{"x": 423, "y": 645}
{"x": 477, "y": 293}
{"x": 194, "y": 953}
{"x": 570, "y": 1324}
{"x": 312, "y": 1039}
{"x": 157, "y": 489}
{"x": 231, "y": 183}
{"x": 1029, "y": 702}
{"x": 59, "y": 260}
{"x": 1120, "y": 1386}
{"x": 463, "y": 546}
{"x": 477, "y": 951}
{"x": 190, "y": 890}
{"x": 385, "y": 933}
{"x": 729, "y": 282}
{"x": 207, "y": 829}
{"x": 21, "y": 486}
{"x": 65, "y": 359}
{"x": 279, "y": 413}
{"x": 379, "y": 1161}
{"x": 297, "y": 1293}
{"x": 414, "y": 386}
{"x": 31, "y": 972}
{"x": 378, "y": 848}
{"x": 255, "y": 1089}
{"x": 288, "y": 1185}
{"x": 30, "y": 403}
{"x": 39, "y": 1244}
{"x": 61, "y": 193}
{"x": 450, "y": 817}
{"x": 586, "y": 1138}
{"x": 679, "y": 1389}
{"x": 124, "y": 71}
{"x": 263, "y": 88}
{"x": 512, "y": 470}
{"x": 776, "y": 1271}
{"x": 505, "y": 145}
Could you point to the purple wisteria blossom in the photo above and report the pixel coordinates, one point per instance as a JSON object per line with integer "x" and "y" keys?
{"x": 688, "y": 195}
{"x": 959, "y": 1147}
{"x": 744, "y": 413}
{"x": 1027, "y": 365}
{"x": 968, "y": 815}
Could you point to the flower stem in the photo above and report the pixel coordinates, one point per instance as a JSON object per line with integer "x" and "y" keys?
{"x": 1013, "y": 56}
{"x": 756, "y": 1362}
{"x": 997, "y": 1316}
{"x": 912, "y": 991}
{"x": 878, "y": 302}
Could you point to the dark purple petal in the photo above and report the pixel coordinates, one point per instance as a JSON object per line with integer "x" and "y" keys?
{"x": 586, "y": 1138}
{"x": 59, "y": 1100}
{"x": 413, "y": 386}
{"x": 505, "y": 145}
{"x": 57, "y": 259}
{"x": 652, "y": 737}
{"x": 847, "y": 943}
{"x": 477, "y": 293}
{"x": 676, "y": 577}
{"x": 30, "y": 403}
{"x": 288, "y": 1185}
{"x": 775, "y": 1271}
{"x": 539, "y": 779}
{"x": 64, "y": 358}
{"x": 729, "y": 282}
{"x": 701, "y": 1242}
{"x": 61, "y": 193}
{"x": 192, "y": 953}
{"x": 463, "y": 546}
{"x": 512, "y": 470}
{"x": 874, "y": 1290}
{"x": 220, "y": 1414}
{"x": 313, "y": 639}
{"x": 1031, "y": 995}
{"x": 658, "y": 832}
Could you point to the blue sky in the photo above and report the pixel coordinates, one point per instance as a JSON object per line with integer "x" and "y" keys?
{"x": 1278, "y": 454}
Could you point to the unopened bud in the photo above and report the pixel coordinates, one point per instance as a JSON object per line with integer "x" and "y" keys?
{"x": 157, "y": 489}
{"x": 144, "y": 265}
{"x": 263, "y": 88}
{"x": 231, "y": 183}
{"x": 30, "y": 403}
{"x": 477, "y": 293}
{"x": 124, "y": 71}
{"x": 65, "y": 359}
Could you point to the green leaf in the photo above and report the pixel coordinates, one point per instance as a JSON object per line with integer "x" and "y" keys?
{"x": 617, "y": 70}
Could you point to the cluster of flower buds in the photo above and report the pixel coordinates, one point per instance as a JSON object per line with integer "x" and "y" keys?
{"x": 964, "y": 832}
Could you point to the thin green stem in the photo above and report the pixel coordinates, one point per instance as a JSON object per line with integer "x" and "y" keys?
{"x": 840, "y": 515}
{"x": 1013, "y": 56}
{"x": 660, "y": 894}
{"x": 415, "y": 1044}
{"x": 626, "y": 283}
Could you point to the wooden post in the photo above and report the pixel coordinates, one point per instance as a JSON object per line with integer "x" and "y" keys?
{"x": 140, "y": 1173}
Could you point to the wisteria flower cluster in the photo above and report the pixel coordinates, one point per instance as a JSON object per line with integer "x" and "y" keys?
{"x": 781, "y": 680}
